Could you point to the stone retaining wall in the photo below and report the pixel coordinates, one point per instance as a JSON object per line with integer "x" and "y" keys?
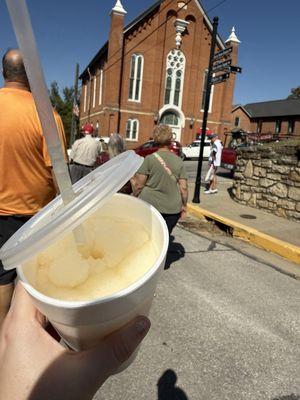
{"x": 268, "y": 177}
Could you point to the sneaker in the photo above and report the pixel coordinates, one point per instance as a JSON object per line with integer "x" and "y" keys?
{"x": 214, "y": 191}
{"x": 207, "y": 192}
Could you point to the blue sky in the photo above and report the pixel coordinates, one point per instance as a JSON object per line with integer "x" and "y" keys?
{"x": 70, "y": 31}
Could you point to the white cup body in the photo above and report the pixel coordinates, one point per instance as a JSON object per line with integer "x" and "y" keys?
{"x": 83, "y": 324}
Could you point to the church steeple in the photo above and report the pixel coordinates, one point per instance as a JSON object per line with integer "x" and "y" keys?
{"x": 233, "y": 38}
{"x": 118, "y": 8}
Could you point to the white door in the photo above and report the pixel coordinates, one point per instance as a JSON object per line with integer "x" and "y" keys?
{"x": 176, "y": 132}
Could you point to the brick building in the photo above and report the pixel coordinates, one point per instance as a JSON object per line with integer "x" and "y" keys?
{"x": 153, "y": 71}
{"x": 278, "y": 116}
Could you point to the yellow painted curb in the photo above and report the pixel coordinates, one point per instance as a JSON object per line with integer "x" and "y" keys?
{"x": 269, "y": 243}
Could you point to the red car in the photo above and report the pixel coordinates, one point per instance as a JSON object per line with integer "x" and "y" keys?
{"x": 151, "y": 147}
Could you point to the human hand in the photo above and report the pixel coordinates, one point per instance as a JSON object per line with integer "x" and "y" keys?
{"x": 34, "y": 366}
{"x": 183, "y": 214}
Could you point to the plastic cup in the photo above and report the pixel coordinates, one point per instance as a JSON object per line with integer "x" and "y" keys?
{"x": 82, "y": 324}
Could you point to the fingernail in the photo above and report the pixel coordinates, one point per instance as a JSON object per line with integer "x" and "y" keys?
{"x": 142, "y": 325}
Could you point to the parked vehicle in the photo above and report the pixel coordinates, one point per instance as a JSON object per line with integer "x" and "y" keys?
{"x": 192, "y": 151}
{"x": 239, "y": 138}
{"x": 151, "y": 147}
{"x": 104, "y": 138}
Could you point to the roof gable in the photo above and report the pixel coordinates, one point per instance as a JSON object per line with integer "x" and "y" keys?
{"x": 242, "y": 108}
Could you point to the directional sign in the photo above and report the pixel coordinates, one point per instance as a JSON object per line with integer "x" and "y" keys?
{"x": 223, "y": 53}
{"x": 220, "y": 66}
{"x": 220, "y": 78}
{"x": 235, "y": 70}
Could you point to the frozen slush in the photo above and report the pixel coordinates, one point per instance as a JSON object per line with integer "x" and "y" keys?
{"x": 119, "y": 252}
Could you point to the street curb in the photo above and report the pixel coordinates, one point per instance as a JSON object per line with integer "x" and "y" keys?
{"x": 259, "y": 239}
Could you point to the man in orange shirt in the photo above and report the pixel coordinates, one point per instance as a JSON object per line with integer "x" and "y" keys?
{"x": 26, "y": 180}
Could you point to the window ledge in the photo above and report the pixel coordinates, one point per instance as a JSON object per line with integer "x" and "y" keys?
{"x": 134, "y": 101}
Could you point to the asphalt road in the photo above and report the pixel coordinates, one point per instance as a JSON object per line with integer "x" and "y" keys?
{"x": 224, "y": 327}
{"x": 191, "y": 168}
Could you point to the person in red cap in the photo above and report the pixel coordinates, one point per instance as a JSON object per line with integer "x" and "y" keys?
{"x": 214, "y": 163}
{"x": 84, "y": 154}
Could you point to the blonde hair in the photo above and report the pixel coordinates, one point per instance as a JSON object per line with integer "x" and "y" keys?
{"x": 163, "y": 135}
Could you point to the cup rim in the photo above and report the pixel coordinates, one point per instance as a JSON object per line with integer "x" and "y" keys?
{"x": 115, "y": 296}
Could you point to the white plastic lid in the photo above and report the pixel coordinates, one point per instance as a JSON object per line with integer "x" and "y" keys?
{"x": 57, "y": 219}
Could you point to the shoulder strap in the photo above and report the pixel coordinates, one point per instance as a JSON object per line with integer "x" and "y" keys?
{"x": 166, "y": 168}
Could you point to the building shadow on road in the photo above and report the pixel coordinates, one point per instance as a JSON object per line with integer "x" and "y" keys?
{"x": 176, "y": 251}
{"x": 289, "y": 397}
{"x": 167, "y": 389}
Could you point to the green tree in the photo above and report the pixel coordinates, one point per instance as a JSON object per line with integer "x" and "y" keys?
{"x": 295, "y": 93}
{"x": 63, "y": 105}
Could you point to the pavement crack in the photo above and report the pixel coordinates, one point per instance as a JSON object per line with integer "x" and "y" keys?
{"x": 208, "y": 251}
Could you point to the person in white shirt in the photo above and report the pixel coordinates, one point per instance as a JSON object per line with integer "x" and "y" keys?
{"x": 214, "y": 162}
{"x": 84, "y": 154}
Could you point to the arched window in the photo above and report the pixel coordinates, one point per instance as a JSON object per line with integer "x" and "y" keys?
{"x": 169, "y": 118}
{"x": 175, "y": 78}
{"x": 132, "y": 129}
{"x": 136, "y": 77}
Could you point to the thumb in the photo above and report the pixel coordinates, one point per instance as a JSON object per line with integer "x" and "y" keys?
{"x": 104, "y": 360}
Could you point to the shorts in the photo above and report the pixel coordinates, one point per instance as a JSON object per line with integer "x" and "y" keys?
{"x": 9, "y": 224}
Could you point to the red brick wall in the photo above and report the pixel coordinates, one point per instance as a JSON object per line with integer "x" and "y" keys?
{"x": 269, "y": 124}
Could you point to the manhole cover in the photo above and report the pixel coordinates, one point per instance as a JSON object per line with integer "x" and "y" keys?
{"x": 248, "y": 216}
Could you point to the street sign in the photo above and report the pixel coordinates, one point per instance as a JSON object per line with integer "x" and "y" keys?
{"x": 220, "y": 78}
{"x": 235, "y": 70}
{"x": 220, "y": 66}
{"x": 223, "y": 53}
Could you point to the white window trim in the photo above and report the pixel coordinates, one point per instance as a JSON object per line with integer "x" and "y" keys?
{"x": 100, "y": 86}
{"x": 211, "y": 94}
{"x": 89, "y": 88}
{"x": 85, "y": 97}
{"x": 135, "y": 78}
{"x": 174, "y": 78}
{"x": 131, "y": 121}
{"x": 94, "y": 91}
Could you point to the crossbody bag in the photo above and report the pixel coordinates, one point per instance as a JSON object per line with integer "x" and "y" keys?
{"x": 166, "y": 168}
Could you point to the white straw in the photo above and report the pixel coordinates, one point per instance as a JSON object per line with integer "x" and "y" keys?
{"x": 25, "y": 37}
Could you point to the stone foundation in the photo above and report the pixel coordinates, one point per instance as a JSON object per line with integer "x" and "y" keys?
{"x": 268, "y": 177}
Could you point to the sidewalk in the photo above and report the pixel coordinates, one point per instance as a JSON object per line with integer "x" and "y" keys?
{"x": 263, "y": 229}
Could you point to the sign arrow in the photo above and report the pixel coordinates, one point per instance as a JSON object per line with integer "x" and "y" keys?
{"x": 235, "y": 70}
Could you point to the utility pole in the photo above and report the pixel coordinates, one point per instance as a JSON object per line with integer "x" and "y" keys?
{"x": 75, "y": 106}
{"x": 196, "y": 198}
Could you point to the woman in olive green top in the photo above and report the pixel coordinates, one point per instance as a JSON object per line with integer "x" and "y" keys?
{"x": 162, "y": 180}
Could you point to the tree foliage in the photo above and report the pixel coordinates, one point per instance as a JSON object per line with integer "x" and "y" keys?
{"x": 295, "y": 93}
{"x": 63, "y": 105}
